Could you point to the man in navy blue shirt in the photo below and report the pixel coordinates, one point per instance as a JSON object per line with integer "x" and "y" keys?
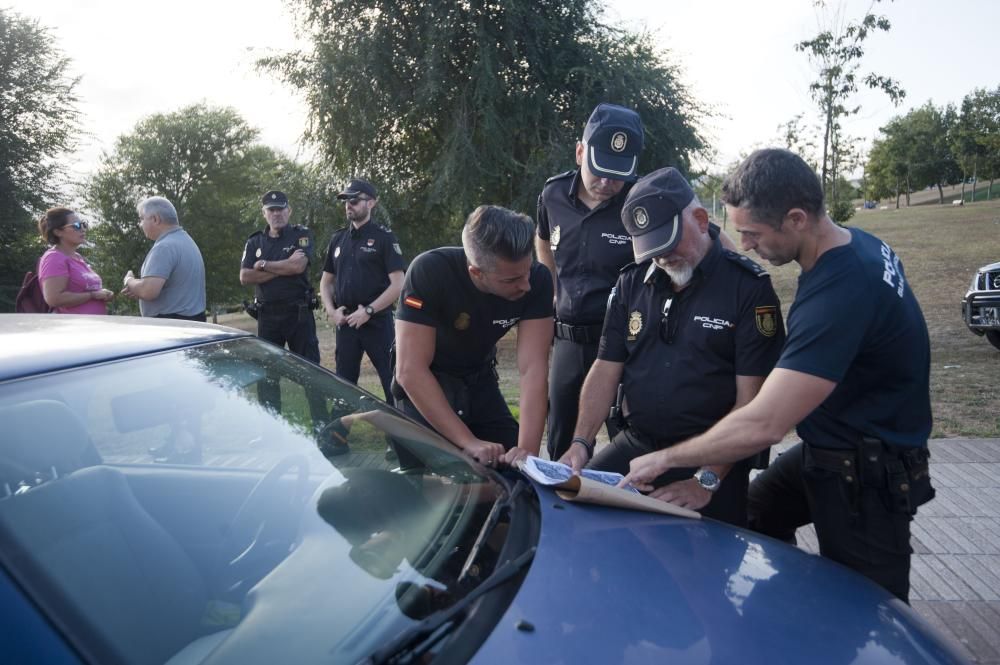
{"x": 691, "y": 331}
{"x": 853, "y": 376}
{"x": 362, "y": 277}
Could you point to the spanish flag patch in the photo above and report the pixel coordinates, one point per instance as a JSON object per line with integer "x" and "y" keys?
{"x": 415, "y": 303}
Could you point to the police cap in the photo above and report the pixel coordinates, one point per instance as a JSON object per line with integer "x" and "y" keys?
{"x": 358, "y": 186}
{"x": 652, "y": 212}
{"x": 274, "y": 199}
{"x": 613, "y": 138}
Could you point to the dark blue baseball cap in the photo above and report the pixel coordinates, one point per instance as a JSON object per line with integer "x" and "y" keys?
{"x": 274, "y": 199}
{"x": 652, "y": 212}
{"x": 613, "y": 138}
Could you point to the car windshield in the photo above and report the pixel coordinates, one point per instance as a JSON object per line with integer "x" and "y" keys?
{"x": 232, "y": 499}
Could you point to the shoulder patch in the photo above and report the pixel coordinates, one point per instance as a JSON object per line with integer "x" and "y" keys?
{"x": 746, "y": 263}
{"x": 383, "y": 228}
{"x": 567, "y": 174}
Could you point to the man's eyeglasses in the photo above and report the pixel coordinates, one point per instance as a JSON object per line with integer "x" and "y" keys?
{"x": 355, "y": 200}
{"x": 79, "y": 226}
{"x": 666, "y": 331}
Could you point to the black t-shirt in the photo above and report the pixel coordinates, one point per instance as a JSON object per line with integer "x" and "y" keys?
{"x": 726, "y": 322}
{"x": 589, "y": 246}
{"x": 855, "y": 321}
{"x": 362, "y": 259}
{"x": 438, "y": 292}
{"x": 260, "y": 245}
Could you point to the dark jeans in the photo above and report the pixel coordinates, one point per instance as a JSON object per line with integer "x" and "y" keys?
{"x": 729, "y": 502}
{"x": 374, "y": 338}
{"x": 857, "y": 522}
{"x": 295, "y": 326}
{"x": 183, "y": 317}
{"x": 570, "y": 363}
{"x": 477, "y": 401}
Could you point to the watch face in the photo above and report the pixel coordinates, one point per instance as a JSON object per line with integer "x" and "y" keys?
{"x": 370, "y": 310}
{"x": 708, "y": 479}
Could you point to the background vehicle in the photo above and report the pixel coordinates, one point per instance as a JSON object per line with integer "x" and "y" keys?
{"x": 179, "y": 493}
{"x": 981, "y": 304}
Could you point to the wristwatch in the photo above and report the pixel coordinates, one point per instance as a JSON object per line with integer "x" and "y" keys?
{"x": 369, "y": 310}
{"x": 708, "y": 479}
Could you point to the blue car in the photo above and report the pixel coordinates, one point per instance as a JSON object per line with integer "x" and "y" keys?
{"x": 183, "y": 493}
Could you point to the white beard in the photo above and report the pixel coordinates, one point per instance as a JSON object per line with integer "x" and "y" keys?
{"x": 679, "y": 276}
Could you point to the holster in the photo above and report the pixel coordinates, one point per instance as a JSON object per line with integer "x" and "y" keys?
{"x": 251, "y": 308}
{"x": 904, "y": 474}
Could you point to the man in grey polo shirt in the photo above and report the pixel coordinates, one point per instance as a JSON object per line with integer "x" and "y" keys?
{"x": 171, "y": 284}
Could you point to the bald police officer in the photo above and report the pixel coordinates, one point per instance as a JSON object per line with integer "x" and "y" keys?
{"x": 276, "y": 261}
{"x": 457, "y": 302}
{"x": 582, "y": 242}
{"x": 691, "y": 331}
{"x": 362, "y": 277}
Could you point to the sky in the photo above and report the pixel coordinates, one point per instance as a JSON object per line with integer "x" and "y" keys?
{"x": 137, "y": 57}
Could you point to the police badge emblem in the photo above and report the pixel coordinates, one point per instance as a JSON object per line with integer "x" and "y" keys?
{"x": 336, "y": 253}
{"x": 554, "y": 238}
{"x": 462, "y": 321}
{"x": 304, "y": 241}
{"x": 640, "y": 217}
{"x": 371, "y": 242}
{"x": 618, "y": 141}
{"x": 767, "y": 320}
{"x": 396, "y": 247}
{"x": 634, "y": 324}
{"x": 258, "y": 252}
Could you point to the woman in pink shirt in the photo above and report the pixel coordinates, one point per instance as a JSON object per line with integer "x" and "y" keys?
{"x": 69, "y": 285}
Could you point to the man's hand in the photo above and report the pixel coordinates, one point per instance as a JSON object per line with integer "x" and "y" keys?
{"x": 102, "y": 294}
{"x": 357, "y": 318}
{"x": 485, "y": 452}
{"x": 576, "y": 456}
{"x": 337, "y": 316}
{"x": 515, "y": 455}
{"x": 684, "y": 493}
{"x": 643, "y": 470}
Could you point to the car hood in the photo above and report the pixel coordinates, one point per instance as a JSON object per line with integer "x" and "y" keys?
{"x": 990, "y": 268}
{"x": 616, "y": 586}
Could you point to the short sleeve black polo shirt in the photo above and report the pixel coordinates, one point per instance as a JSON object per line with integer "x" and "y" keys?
{"x": 260, "y": 245}
{"x": 362, "y": 260}
{"x": 438, "y": 292}
{"x": 856, "y": 322}
{"x": 680, "y": 369}
{"x": 589, "y": 246}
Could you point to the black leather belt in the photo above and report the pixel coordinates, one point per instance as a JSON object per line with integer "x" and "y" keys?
{"x": 280, "y": 304}
{"x": 589, "y": 334}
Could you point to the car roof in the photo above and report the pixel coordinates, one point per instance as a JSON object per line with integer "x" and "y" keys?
{"x": 38, "y": 343}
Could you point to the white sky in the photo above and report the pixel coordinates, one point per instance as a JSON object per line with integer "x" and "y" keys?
{"x": 137, "y": 57}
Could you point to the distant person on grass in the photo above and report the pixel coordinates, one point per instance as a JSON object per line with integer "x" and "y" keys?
{"x": 171, "y": 282}
{"x": 69, "y": 284}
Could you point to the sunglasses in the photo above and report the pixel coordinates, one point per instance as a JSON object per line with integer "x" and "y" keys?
{"x": 666, "y": 331}
{"x": 355, "y": 200}
{"x": 79, "y": 226}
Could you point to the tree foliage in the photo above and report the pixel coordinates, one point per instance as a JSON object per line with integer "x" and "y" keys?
{"x": 446, "y": 105}
{"x": 38, "y": 125}
{"x": 837, "y": 52}
{"x": 208, "y": 163}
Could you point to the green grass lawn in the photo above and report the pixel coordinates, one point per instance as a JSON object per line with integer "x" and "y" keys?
{"x": 941, "y": 247}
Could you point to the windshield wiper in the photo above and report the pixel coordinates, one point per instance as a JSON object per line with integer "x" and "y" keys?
{"x": 418, "y": 639}
{"x": 492, "y": 519}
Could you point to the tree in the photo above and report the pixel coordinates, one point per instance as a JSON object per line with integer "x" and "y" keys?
{"x": 38, "y": 125}
{"x": 208, "y": 163}
{"x": 836, "y": 52}
{"x": 975, "y": 139}
{"x": 447, "y": 105}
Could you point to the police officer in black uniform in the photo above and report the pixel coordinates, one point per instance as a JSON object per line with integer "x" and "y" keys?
{"x": 582, "y": 242}
{"x": 691, "y": 331}
{"x": 457, "y": 302}
{"x": 853, "y": 378}
{"x": 276, "y": 261}
{"x": 362, "y": 278}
